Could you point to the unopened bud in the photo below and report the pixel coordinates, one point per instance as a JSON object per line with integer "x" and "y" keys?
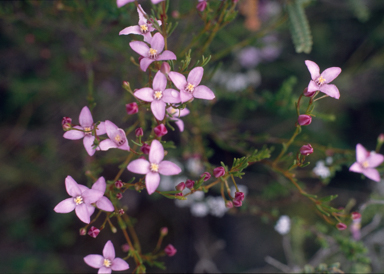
{"x": 207, "y": 176}
{"x": 139, "y": 132}
{"x": 341, "y": 226}
{"x": 160, "y": 130}
{"x": 380, "y": 139}
{"x": 170, "y": 250}
{"x": 164, "y": 231}
{"x": 66, "y": 123}
{"x": 237, "y": 203}
{"x": 180, "y": 187}
{"x": 119, "y": 184}
{"x": 306, "y": 150}
{"x": 121, "y": 211}
{"x": 201, "y": 6}
{"x": 189, "y": 183}
{"x": 304, "y": 120}
{"x": 239, "y": 196}
{"x": 179, "y": 194}
{"x": 119, "y": 196}
{"x": 356, "y": 215}
{"x": 132, "y": 108}
{"x": 308, "y": 94}
{"x": 145, "y": 148}
{"x": 229, "y": 204}
{"x": 125, "y": 247}
{"x": 82, "y": 231}
{"x": 93, "y": 232}
{"x": 219, "y": 171}
{"x": 165, "y": 68}
{"x": 175, "y": 14}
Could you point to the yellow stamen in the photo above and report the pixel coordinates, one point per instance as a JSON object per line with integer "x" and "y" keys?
{"x": 78, "y": 200}
{"x": 190, "y": 87}
{"x": 155, "y": 167}
{"x": 158, "y": 95}
{"x": 365, "y": 164}
{"x": 321, "y": 80}
{"x": 88, "y": 131}
{"x": 152, "y": 53}
{"x": 144, "y": 28}
{"x": 107, "y": 263}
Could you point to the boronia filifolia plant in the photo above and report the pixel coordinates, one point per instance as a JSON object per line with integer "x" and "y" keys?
{"x": 168, "y": 96}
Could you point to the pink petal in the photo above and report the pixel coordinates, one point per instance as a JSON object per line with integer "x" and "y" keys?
{"x": 74, "y": 134}
{"x": 183, "y": 112}
{"x": 148, "y": 36}
{"x": 145, "y": 62}
{"x": 157, "y": 42}
{"x": 82, "y": 188}
{"x": 140, "y": 47}
{"x": 105, "y": 204}
{"x": 156, "y": 1}
{"x": 121, "y": 3}
{"x": 372, "y": 174}
{"x": 158, "y": 109}
{"x": 124, "y": 146}
{"x": 130, "y": 30}
{"x": 91, "y": 196}
{"x": 139, "y": 166}
{"x": 100, "y": 130}
{"x": 88, "y": 144}
{"x": 180, "y": 124}
{"x": 313, "y": 68}
{"x": 375, "y": 159}
{"x": 94, "y": 260}
{"x": 105, "y": 270}
{"x": 312, "y": 86}
{"x": 152, "y": 181}
{"x": 109, "y": 251}
{"x": 171, "y": 96}
{"x": 169, "y": 168}
{"x": 65, "y": 206}
{"x": 195, "y": 76}
{"x": 156, "y": 153}
{"x": 330, "y": 90}
{"x": 361, "y": 153}
{"x": 72, "y": 187}
{"x": 119, "y": 265}
{"x": 141, "y": 13}
{"x": 330, "y": 74}
{"x": 82, "y": 213}
{"x": 90, "y": 209}
{"x": 85, "y": 117}
{"x": 185, "y": 96}
{"x": 100, "y": 185}
{"x": 107, "y": 144}
{"x": 356, "y": 167}
{"x": 145, "y": 94}
{"x": 166, "y": 55}
{"x": 178, "y": 80}
{"x": 110, "y": 128}
{"x": 203, "y": 92}
{"x": 159, "y": 82}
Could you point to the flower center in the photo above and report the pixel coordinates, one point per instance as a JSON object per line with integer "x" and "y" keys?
{"x": 119, "y": 140}
{"x": 190, "y": 88}
{"x": 152, "y": 53}
{"x": 158, "y": 95}
{"x": 88, "y": 131}
{"x": 78, "y": 200}
{"x": 365, "y": 164}
{"x": 144, "y": 28}
{"x": 320, "y": 81}
{"x": 107, "y": 263}
{"x": 155, "y": 167}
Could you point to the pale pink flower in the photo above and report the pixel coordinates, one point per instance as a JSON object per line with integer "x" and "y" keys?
{"x": 117, "y": 138}
{"x": 153, "y": 53}
{"x": 321, "y": 81}
{"x": 143, "y": 28}
{"x": 366, "y": 162}
{"x": 158, "y": 95}
{"x": 80, "y": 201}
{"x": 121, "y": 3}
{"x": 106, "y": 262}
{"x": 174, "y": 114}
{"x": 85, "y": 130}
{"x": 191, "y": 87}
{"x": 154, "y": 167}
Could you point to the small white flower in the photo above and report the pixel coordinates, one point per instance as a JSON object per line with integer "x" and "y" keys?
{"x": 199, "y": 209}
{"x": 329, "y": 160}
{"x": 216, "y": 206}
{"x": 321, "y": 170}
{"x": 283, "y": 225}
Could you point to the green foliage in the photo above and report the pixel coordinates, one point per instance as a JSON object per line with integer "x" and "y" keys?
{"x": 323, "y": 268}
{"x": 239, "y": 164}
{"x": 360, "y": 10}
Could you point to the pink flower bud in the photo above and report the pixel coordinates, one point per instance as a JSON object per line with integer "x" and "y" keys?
{"x": 119, "y": 184}
{"x": 175, "y": 14}
{"x": 308, "y": 94}
{"x": 119, "y": 196}
{"x": 139, "y": 132}
{"x": 356, "y": 215}
{"x": 380, "y": 139}
{"x": 306, "y": 150}
{"x": 93, "y": 232}
{"x": 66, "y": 123}
{"x": 237, "y": 203}
{"x": 229, "y": 204}
{"x": 189, "y": 183}
{"x": 239, "y": 196}
{"x": 82, "y": 231}
{"x": 170, "y": 250}
{"x": 341, "y": 226}
{"x": 180, "y": 187}
{"x": 125, "y": 247}
{"x": 145, "y": 148}
{"x": 160, "y": 130}
{"x": 201, "y": 6}
{"x": 207, "y": 176}
{"x": 121, "y": 211}
{"x": 132, "y": 108}
{"x": 165, "y": 68}
{"x": 304, "y": 120}
{"x": 219, "y": 171}
{"x": 164, "y": 231}
{"x": 179, "y": 194}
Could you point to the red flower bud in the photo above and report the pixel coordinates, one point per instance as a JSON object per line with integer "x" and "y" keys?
{"x": 66, "y": 123}
{"x": 160, "y": 130}
{"x": 308, "y": 94}
{"x": 121, "y": 211}
{"x": 306, "y": 150}
{"x": 304, "y": 120}
{"x": 229, "y": 204}
{"x": 125, "y": 247}
{"x": 239, "y": 196}
{"x": 145, "y": 148}
{"x": 189, "y": 183}
{"x": 207, "y": 176}
{"x": 119, "y": 196}
{"x": 356, "y": 215}
{"x": 132, "y": 108}
{"x": 164, "y": 231}
{"x": 201, "y": 6}
{"x": 180, "y": 187}
{"x": 165, "y": 68}
{"x": 170, "y": 250}
{"x": 139, "y": 132}
{"x": 341, "y": 226}
{"x": 93, "y": 232}
{"x": 119, "y": 184}
{"x": 82, "y": 231}
{"x": 237, "y": 203}
{"x": 219, "y": 171}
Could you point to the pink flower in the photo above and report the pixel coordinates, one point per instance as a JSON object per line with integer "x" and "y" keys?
{"x": 160, "y": 130}
{"x": 321, "y": 81}
{"x": 132, "y": 108}
{"x": 121, "y": 3}
{"x": 158, "y": 95}
{"x": 201, "y": 6}
{"x": 107, "y": 262}
{"x": 170, "y": 250}
{"x": 341, "y": 226}
{"x": 93, "y": 232}
{"x": 306, "y": 150}
{"x": 153, "y": 167}
{"x": 117, "y": 138}
{"x": 366, "y": 163}
{"x": 103, "y": 203}
{"x": 143, "y": 28}
{"x": 153, "y": 53}
{"x": 219, "y": 171}
{"x": 174, "y": 115}
{"x": 85, "y": 131}
{"x": 82, "y": 198}
{"x": 190, "y": 87}
{"x": 304, "y": 120}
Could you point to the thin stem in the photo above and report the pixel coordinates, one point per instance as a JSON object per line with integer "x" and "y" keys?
{"x": 317, "y": 99}
{"x": 297, "y": 131}
{"x": 233, "y": 180}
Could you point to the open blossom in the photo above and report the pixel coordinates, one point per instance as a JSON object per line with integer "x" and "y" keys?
{"x": 174, "y": 115}
{"x": 158, "y": 95}
{"x": 321, "y": 81}
{"x": 154, "y": 167}
{"x": 191, "y": 87}
{"x": 121, "y": 3}
{"x": 80, "y": 201}
{"x": 85, "y": 130}
{"x": 117, "y": 138}
{"x": 143, "y": 28}
{"x": 106, "y": 262}
{"x": 366, "y": 162}
{"x": 153, "y": 53}
{"x": 103, "y": 203}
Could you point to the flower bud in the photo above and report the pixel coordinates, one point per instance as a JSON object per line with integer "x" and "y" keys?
{"x": 239, "y": 196}
{"x": 341, "y": 226}
{"x": 179, "y": 194}
{"x": 201, "y": 6}
{"x": 304, "y": 120}
{"x": 165, "y": 68}
{"x": 82, "y": 231}
{"x": 306, "y": 150}
{"x": 93, "y": 232}
{"x": 237, "y": 203}
{"x": 139, "y": 132}
{"x": 164, "y": 231}
{"x": 119, "y": 184}
{"x": 175, "y": 14}
{"x": 125, "y": 247}
{"x": 132, "y": 108}
{"x": 207, "y": 176}
{"x": 229, "y": 204}
{"x": 121, "y": 211}
{"x": 189, "y": 183}
{"x": 119, "y": 196}
{"x": 145, "y": 148}
{"x": 356, "y": 215}
{"x": 170, "y": 250}
{"x": 180, "y": 187}
{"x": 308, "y": 94}
{"x": 66, "y": 123}
{"x": 160, "y": 130}
{"x": 219, "y": 171}
{"x": 380, "y": 139}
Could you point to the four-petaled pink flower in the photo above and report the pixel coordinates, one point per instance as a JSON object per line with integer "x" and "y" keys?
{"x": 106, "y": 262}
{"x": 366, "y": 162}
{"x": 143, "y": 28}
{"x": 82, "y": 198}
{"x": 321, "y": 81}
{"x": 153, "y": 53}
{"x": 158, "y": 95}
{"x": 153, "y": 167}
{"x": 117, "y": 138}
{"x": 85, "y": 130}
{"x": 190, "y": 87}
{"x": 174, "y": 115}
